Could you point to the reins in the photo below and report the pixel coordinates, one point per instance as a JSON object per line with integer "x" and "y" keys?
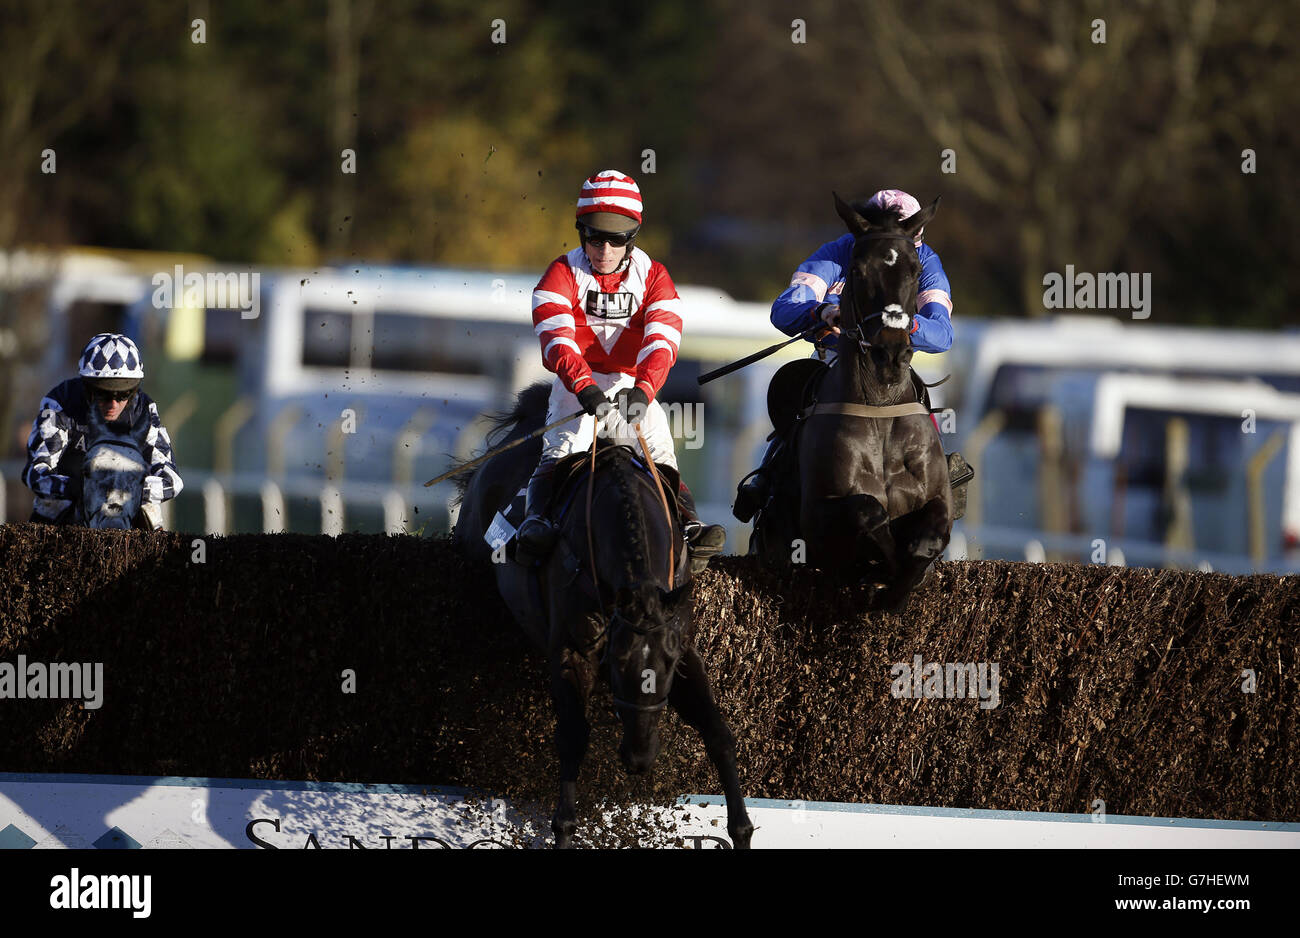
{"x": 663, "y": 500}
{"x": 615, "y": 618}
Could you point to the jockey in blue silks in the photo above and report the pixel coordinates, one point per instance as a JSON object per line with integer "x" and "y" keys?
{"x": 814, "y": 296}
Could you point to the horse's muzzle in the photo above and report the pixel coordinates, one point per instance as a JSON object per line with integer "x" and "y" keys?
{"x": 638, "y": 760}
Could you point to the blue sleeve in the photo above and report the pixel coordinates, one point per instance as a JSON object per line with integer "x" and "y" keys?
{"x": 817, "y": 280}
{"x": 932, "y": 329}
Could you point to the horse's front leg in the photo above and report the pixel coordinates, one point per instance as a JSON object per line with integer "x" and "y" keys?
{"x": 923, "y": 536}
{"x": 852, "y": 533}
{"x": 692, "y": 697}
{"x": 572, "y": 732}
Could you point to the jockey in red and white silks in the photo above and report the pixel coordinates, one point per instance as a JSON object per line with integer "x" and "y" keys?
{"x": 609, "y": 331}
{"x": 608, "y": 320}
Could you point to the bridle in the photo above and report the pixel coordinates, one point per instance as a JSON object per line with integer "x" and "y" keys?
{"x": 858, "y": 332}
{"x": 616, "y": 621}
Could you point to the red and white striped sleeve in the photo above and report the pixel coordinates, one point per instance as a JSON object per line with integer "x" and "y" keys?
{"x": 663, "y": 331}
{"x": 554, "y": 300}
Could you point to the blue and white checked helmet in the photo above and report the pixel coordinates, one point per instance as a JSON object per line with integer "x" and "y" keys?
{"x": 111, "y": 358}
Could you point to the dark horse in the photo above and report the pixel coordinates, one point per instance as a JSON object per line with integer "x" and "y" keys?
{"x": 631, "y": 613}
{"x": 871, "y": 500}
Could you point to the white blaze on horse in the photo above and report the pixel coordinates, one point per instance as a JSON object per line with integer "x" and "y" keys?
{"x": 112, "y": 476}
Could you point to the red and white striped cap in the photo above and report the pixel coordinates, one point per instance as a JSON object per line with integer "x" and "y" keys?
{"x": 606, "y": 194}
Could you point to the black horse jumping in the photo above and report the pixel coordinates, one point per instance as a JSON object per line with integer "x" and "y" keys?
{"x": 868, "y": 495}
{"x": 613, "y": 598}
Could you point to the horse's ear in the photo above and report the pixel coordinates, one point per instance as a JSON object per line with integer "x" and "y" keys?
{"x": 856, "y": 223}
{"x": 919, "y": 220}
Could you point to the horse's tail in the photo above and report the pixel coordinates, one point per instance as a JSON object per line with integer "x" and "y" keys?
{"x": 527, "y": 414}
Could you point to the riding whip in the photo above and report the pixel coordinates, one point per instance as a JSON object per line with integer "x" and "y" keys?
{"x": 502, "y": 448}
{"x": 750, "y": 359}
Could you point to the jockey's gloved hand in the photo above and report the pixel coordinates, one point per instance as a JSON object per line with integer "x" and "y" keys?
{"x": 829, "y": 313}
{"x": 633, "y": 405}
{"x": 593, "y": 401}
{"x": 151, "y": 489}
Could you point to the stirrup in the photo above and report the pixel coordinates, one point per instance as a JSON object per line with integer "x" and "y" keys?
{"x": 959, "y": 473}
{"x": 703, "y": 542}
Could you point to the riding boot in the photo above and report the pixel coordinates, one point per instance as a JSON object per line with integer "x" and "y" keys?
{"x": 753, "y": 491}
{"x": 959, "y": 473}
{"x": 702, "y": 540}
{"x": 537, "y": 534}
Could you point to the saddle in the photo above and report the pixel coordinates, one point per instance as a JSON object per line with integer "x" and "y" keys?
{"x": 575, "y": 468}
{"x": 570, "y": 475}
{"x": 793, "y": 391}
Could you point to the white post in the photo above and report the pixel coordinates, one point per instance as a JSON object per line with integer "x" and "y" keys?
{"x": 454, "y": 505}
{"x": 394, "y": 512}
{"x": 331, "y": 511}
{"x": 1034, "y": 551}
{"x": 957, "y": 546}
{"x": 274, "y": 514}
{"x": 214, "y": 507}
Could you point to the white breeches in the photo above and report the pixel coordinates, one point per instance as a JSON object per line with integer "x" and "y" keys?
{"x": 576, "y": 434}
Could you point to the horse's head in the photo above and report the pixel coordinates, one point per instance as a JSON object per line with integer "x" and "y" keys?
{"x": 880, "y": 287}
{"x": 111, "y": 484}
{"x": 647, "y": 636}
{"x": 112, "y": 476}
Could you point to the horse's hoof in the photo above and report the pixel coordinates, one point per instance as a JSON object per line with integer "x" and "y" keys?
{"x": 564, "y": 829}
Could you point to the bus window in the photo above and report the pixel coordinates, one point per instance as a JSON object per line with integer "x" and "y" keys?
{"x": 408, "y": 342}
{"x": 326, "y": 338}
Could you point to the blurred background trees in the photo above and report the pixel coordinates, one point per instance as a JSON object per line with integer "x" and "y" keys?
{"x": 1124, "y": 155}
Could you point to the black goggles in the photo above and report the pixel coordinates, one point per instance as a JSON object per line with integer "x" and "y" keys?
{"x": 100, "y": 394}
{"x": 618, "y": 239}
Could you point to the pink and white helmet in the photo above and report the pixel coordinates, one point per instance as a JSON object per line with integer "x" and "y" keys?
{"x": 899, "y": 203}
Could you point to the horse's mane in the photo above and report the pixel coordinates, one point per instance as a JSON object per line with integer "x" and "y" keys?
{"x": 527, "y": 414}
{"x": 625, "y": 476}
